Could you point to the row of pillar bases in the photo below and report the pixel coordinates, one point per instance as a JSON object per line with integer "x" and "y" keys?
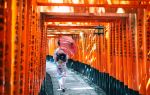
{"x": 109, "y": 84}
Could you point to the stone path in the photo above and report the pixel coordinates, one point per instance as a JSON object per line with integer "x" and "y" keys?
{"x": 76, "y": 84}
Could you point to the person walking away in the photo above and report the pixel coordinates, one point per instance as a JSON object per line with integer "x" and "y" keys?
{"x": 61, "y": 59}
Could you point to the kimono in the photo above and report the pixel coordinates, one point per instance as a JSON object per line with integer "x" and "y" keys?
{"x": 60, "y": 66}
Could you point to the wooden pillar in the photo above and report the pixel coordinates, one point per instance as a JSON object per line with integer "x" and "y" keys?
{"x": 28, "y": 48}
{"x": 98, "y": 52}
{"x": 133, "y": 52}
{"x": 124, "y": 41}
{"x": 141, "y": 50}
{"x": 147, "y": 52}
{"x": 23, "y": 51}
{"x": 108, "y": 39}
{"x": 17, "y": 48}
{"x": 117, "y": 49}
{"x": 123, "y": 50}
{"x": 120, "y": 51}
{"x": 128, "y": 54}
{"x": 106, "y": 47}
{"x": 9, "y": 21}
{"x": 2, "y": 46}
{"x": 111, "y": 49}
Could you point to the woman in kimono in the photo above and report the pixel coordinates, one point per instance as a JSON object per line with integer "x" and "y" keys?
{"x": 61, "y": 58}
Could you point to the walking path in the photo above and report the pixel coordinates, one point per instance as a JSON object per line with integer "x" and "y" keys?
{"x": 75, "y": 83}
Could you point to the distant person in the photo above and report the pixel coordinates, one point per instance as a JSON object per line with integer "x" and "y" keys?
{"x": 60, "y": 58}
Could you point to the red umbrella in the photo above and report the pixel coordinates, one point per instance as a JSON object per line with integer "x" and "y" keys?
{"x": 68, "y": 45}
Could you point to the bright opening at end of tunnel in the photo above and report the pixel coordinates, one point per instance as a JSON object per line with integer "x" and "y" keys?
{"x": 81, "y": 34}
{"x": 120, "y": 10}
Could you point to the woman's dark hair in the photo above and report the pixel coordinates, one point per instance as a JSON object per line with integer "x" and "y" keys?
{"x": 58, "y": 42}
{"x": 62, "y": 57}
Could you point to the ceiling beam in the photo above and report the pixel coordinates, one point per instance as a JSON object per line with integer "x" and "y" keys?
{"x": 52, "y": 14}
{"x": 79, "y": 20}
{"x": 75, "y": 17}
{"x": 101, "y": 19}
{"x": 95, "y": 5}
{"x": 63, "y": 27}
